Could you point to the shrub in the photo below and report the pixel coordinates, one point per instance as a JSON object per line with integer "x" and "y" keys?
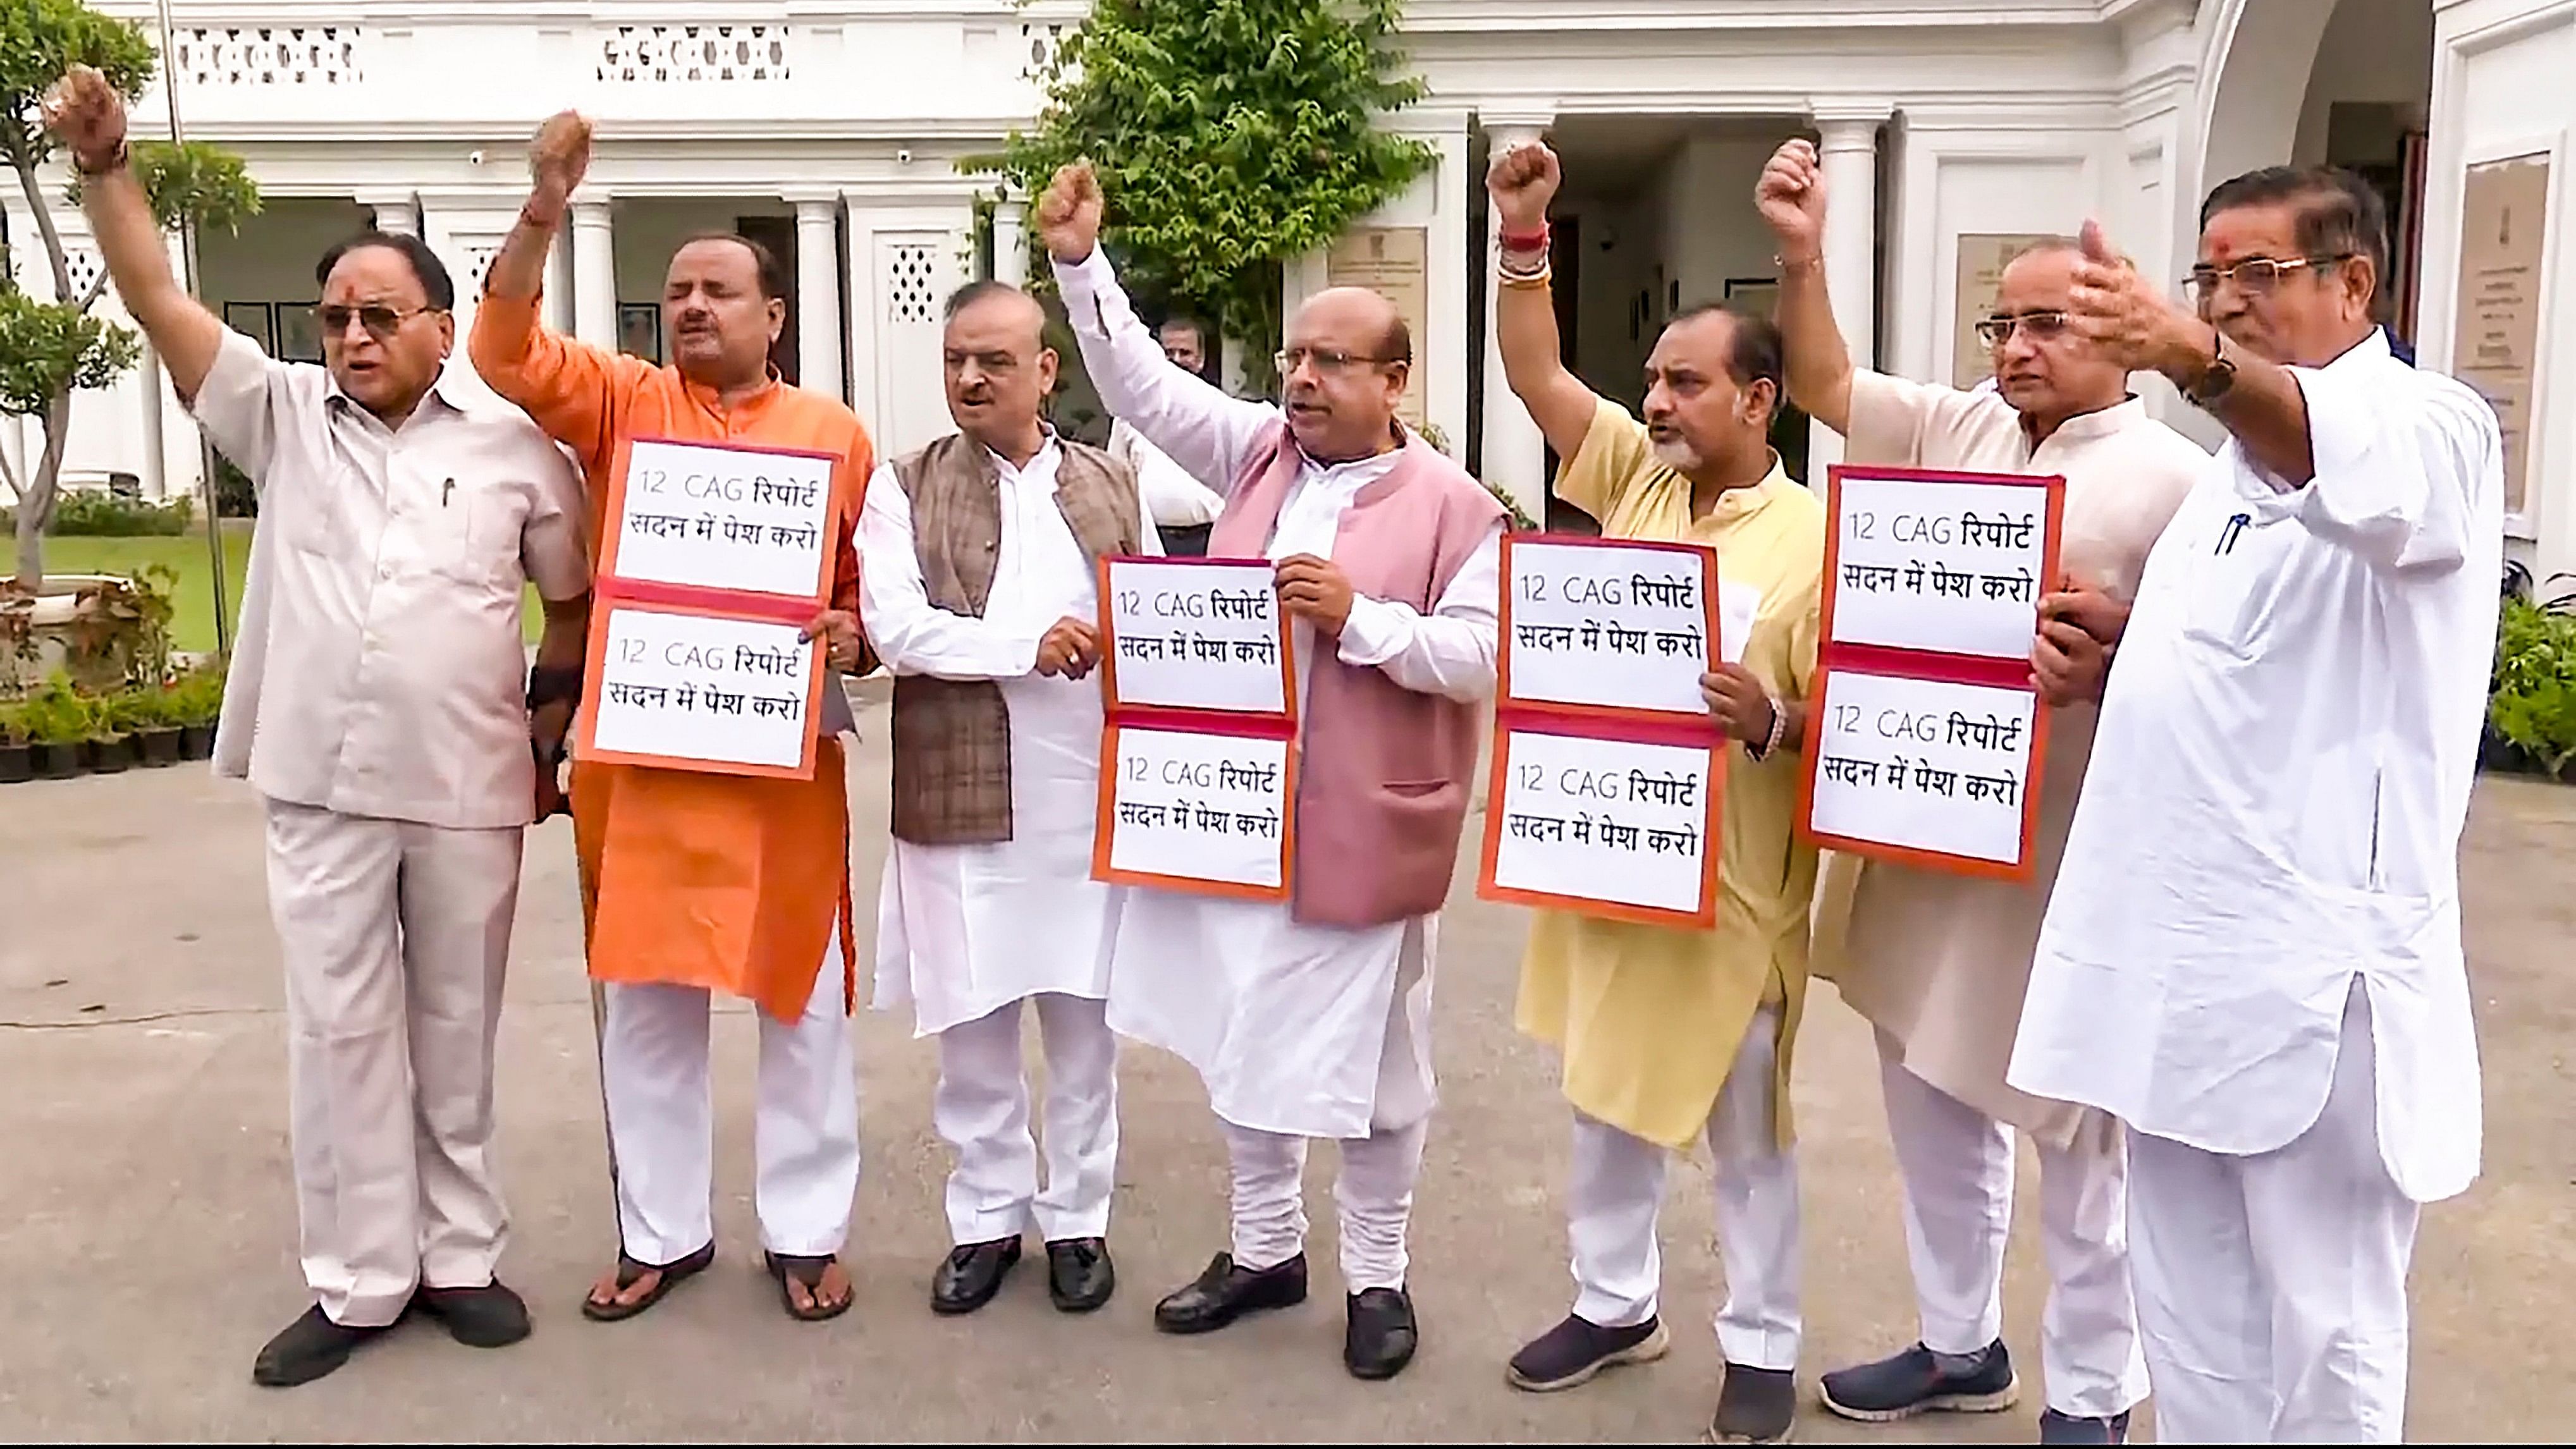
{"x": 2533, "y": 702}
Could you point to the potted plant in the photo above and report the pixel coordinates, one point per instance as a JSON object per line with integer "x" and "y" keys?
{"x": 156, "y": 723}
{"x": 111, "y": 733}
{"x": 17, "y": 758}
{"x": 56, "y": 721}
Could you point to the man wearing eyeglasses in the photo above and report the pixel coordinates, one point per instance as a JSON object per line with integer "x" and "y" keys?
{"x": 1938, "y": 962}
{"x": 1183, "y": 508}
{"x": 377, "y": 701}
{"x": 2252, "y": 956}
{"x": 1312, "y": 1018}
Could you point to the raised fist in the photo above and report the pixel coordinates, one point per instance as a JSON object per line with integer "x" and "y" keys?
{"x": 87, "y": 115}
{"x": 560, "y": 156}
{"x": 1791, "y": 198}
{"x": 1522, "y": 181}
{"x": 1068, "y": 214}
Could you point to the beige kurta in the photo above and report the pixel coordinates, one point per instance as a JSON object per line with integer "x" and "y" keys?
{"x": 1939, "y": 962}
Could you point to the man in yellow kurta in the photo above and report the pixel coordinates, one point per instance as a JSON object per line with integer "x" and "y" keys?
{"x": 1671, "y": 1036}
{"x": 695, "y": 883}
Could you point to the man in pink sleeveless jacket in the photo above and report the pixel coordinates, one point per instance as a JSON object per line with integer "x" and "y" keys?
{"x": 1312, "y": 1018}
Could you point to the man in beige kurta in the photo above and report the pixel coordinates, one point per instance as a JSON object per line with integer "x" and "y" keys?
{"x": 1939, "y": 962}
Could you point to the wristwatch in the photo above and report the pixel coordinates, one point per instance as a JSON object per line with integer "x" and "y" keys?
{"x": 2212, "y": 382}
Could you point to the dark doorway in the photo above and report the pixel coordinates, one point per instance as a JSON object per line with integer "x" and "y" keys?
{"x": 778, "y": 233}
{"x": 1565, "y": 268}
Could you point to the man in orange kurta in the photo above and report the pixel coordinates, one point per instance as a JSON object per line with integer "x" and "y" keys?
{"x": 692, "y": 882}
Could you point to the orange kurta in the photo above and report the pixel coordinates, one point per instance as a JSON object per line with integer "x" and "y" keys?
{"x": 693, "y": 879}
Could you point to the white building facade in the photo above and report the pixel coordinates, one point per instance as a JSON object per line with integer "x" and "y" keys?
{"x": 831, "y": 129}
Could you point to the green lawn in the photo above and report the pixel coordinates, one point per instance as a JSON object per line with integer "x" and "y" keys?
{"x": 192, "y": 626}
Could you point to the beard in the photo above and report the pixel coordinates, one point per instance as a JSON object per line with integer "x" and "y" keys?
{"x": 1677, "y": 455}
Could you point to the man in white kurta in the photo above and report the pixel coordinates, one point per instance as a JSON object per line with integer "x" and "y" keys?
{"x": 969, "y": 929}
{"x": 1300, "y": 1030}
{"x": 1938, "y": 962}
{"x": 2253, "y": 956}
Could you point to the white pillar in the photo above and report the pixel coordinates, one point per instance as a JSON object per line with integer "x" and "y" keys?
{"x": 594, "y": 274}
{"x": 559, "y": 284}
{"x": 156, "y": 463}
{"x": 397, "y": 214}
{"x": 1515, "y": 452}
{"x": 1011, "y": 241}
{"x": 818, "y": 295}
{"x": 1848, "y": 147}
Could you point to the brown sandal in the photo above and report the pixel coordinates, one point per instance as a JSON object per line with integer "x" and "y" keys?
{"x": 808, "y": 1272}
{"x": 630, "y": 1271}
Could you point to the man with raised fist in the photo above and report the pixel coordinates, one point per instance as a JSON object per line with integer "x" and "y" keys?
{"x": 1312, "y": 1018}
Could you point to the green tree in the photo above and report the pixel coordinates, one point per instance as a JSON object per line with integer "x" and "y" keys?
{"x": 50, "y": 350}
{"x": 1229, "y": 136}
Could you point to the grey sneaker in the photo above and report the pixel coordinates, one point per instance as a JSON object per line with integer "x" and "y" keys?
{"x": 2057, "y": 1428}
{"x": 1912, "y": 1383}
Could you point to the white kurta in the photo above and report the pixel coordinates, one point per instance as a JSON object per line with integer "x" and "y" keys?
{"x": 1308, "y": 1030}
{"x": 2278, "y": 786}
{"x": 965, "y": 929}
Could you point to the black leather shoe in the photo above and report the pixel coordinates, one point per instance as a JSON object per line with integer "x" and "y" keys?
{"x": 307, "y": 1349}
{"x": 1225, "y": 1293}
{"x": 1755, "y": 1406}
{"x": 487, "y": 1317}
{"x": 1381, "y": 1335}
{"x": 1080, "y": 1276}
{"x": 972, "y": 1274}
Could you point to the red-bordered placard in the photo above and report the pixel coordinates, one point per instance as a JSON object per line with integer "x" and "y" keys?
{"x": 1257, "y": 744}
{"x": 1611, "y": 754}
{"x": 1898, "y": 764}
{"x": 1183, "y": 784}
{"x": 614, "y": 594}
{"x": 1517, "y": 610}
{"x": 1558, "y": 817}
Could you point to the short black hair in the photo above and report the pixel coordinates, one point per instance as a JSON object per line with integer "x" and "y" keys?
{"x": 1753, "y": 349}
{"x": 772, "y": 273}
{"x": 2338, "y": 213}
{"x": 434, "y": 281}
{"x": 1198, "y": 330}
{"x": 1397, "y": 344}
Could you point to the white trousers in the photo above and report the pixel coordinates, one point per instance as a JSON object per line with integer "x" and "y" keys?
{"x": 661, "y": 1120}
{"x": 981, "y": 1110}
{"x": 1957, "y": 1164}
{"x": 1615, "y": 1193}
{"x": 1372, "y": 1200}
{"x": 395, "y": 938}
{"x": 2272, "y": 1287}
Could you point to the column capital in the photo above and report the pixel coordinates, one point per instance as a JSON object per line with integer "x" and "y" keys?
{"x": 805, "y": 198}
{"x": 374, "y": 196}
{"x": 1849, "y": 125}
{"x": 590, "y": 208}
{"x": 1011, "y": 205}
{"x": 1505, "y": 129}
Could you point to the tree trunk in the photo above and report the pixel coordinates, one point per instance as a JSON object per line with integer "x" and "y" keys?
{"x": 36, "y": 502}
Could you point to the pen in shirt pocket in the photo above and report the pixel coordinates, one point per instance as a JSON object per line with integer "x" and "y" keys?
{"x": 444, "y": 490}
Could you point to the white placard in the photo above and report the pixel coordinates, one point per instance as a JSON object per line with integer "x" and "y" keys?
{"x": 1923, "y": 764}
{"x": 1197, "y": 636}
{"x": 724, "y": 518}
{"x": 727, "y": 691}
{"x": 1953, "y": 567}
{"x": 1616, "y": 821}
{"x": 1608, "y": 627}
{"x": 1199, "y": 807}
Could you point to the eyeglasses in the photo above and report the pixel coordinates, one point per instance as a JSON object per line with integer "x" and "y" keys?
{"x": 2254, "y": 276}
{"x": 1997, "y": 330}
{"x": 381, "y": 321}
{"x": 1328, "y": 361}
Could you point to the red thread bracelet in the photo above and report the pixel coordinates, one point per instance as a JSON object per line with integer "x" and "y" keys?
{"x": 1526, "y": 241}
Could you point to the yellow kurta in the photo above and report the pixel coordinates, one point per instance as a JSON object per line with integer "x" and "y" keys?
{"x": 1649, "y": 1017}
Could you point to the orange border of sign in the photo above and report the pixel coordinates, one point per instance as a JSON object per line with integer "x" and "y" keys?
{"x": 610, "y": 592}
{"x": 1109, "y": 643}
{"x": 611, "y": 513}
{"x": 1937, "y": 860}
{"x": 587, "y": 726}
{"x": 1503, "y": 699}
{"x": 1194, "y": 885}
{"x": 1927, "y": 665}
{"x": 1711, "y": 855}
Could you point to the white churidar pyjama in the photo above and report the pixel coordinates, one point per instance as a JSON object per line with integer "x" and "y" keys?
{"x": 2272, "y": 1287}
{"x": 1372, "y": 1200}
{"x": 981, "y": 1109}
{"x": 395, "y": 938}
{"x": 1957, "y": 1165}
{"x": 661, "y": 1119}
{"x": 1616, "y": 1189}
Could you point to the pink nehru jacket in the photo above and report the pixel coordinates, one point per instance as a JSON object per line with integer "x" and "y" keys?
{"x": 1384, "y": 771}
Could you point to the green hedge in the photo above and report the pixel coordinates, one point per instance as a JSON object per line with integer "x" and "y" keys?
{"x": 104, "y": 515}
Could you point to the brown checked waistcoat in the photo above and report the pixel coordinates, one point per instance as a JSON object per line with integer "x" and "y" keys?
{"x": 952, "y": 737}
